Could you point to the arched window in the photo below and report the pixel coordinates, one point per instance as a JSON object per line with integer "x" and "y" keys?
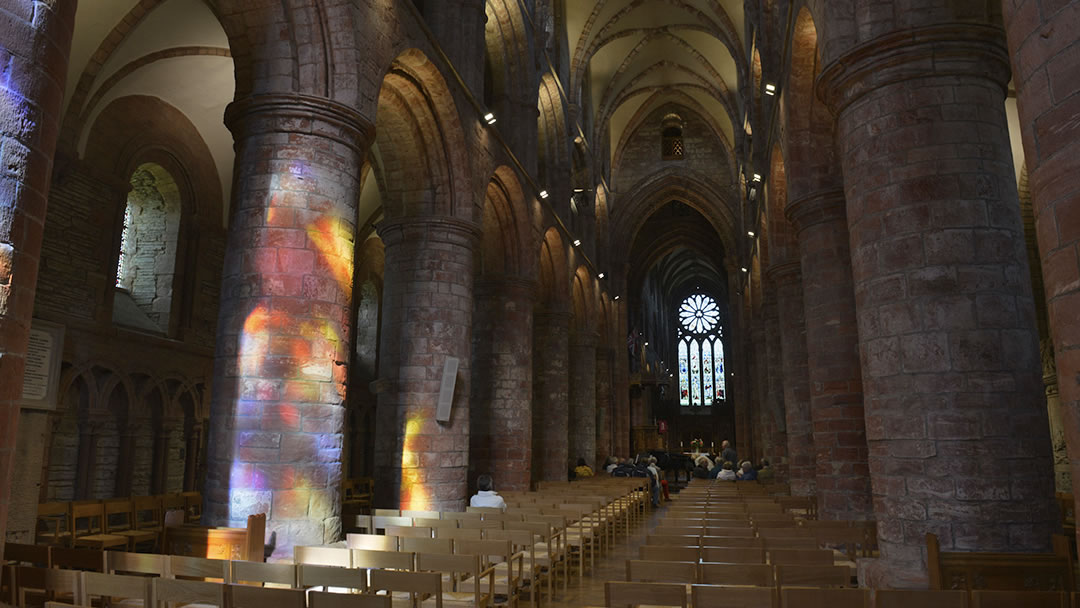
{"x": 147, "y": 260}
{"x": 671, "y": 141}
{"x": 701, "y": 352}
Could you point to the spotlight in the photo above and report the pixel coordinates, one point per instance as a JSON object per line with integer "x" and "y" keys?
{"x": 750, "y": 233}
{"x": 543, "y": 194}
{"x": 744, "y": 269}
{"x": 490, "y": 118}
{"x": 577, "y": 242}
{"x": 757, "y": 177}
{"x": 600, "y": 276}
{"x": 579, "y": 190}
{"x": 646, "y": 344}
{"x": 617, "y": 298}
{"x": 770, "y": 89}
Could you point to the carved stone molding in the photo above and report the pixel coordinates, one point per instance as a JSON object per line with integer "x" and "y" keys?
{"x": 438, "y": 229}
{"x": 817, "y": 208}
{"x": 297, "y": 113}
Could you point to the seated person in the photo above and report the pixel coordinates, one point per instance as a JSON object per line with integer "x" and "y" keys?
{"x": 486, "y": 495}
{"x": 612, "y": 462}
{"x": 765, "y": 473}
{"x": 727, "y": 472}
{"x": 747, "y": 473}
{"x": 703, "y": 461}
{"x": 582, "y": 469}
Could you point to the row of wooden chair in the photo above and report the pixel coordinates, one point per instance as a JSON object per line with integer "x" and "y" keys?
{"x": 114, "y": 522}
{"x": 623, "y": 594}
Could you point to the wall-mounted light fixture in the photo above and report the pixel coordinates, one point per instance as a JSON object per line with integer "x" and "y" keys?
{"x": 543, "y": 194}
{"x": 600, "y": 276}
{"x": 617, "y": 298}
{"x": 490, "y": 118}
{"x": 577, "y": 242}
{"x": 744, "y": 269}
{"x": 750, "y": 233}
{"x": 757, "y": 177}
{"x": 770, "y": 89}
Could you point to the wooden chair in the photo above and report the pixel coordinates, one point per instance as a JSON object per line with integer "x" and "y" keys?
{"x": 247, "y": 596}
{"x": 119, "y": 520}
{"x": 500, "y": 556}
{"x": 731, "y": 541}
{"x": 142, "y": 564}
{"x": 26, "y": 555}
{"x": 199, "y": 568}
{"x": 623, "y": 594}
{"x": 47, "y": 582}
{"x": 790, "y": 542}
{"x": 92, "y": 531}
{"x": 825, "y": 598}
{"x": 103, "y": 589}
{"x": 800, "y": 557}
{"x": 53, "y": 524}
{"x": 193, "y": 506}
{"x": 427, "y": 522}
{"x": 419, "y": 586}
{"x": 426, "y": 545}
{"x": 1019, "y": 599}
{"x": 646, "y": 571}
{"x": 374, "y": 542}
{"x": 813, "y": 576}
{"x": 757, "y": 575}
{"x": 908, "y": 598}
{"x": 174, "y": 502}
{"x": 332, "y": 578}
{"x": 733, "y": 597}
{"x": 261, "y": 573}
{"x": 414, "y": 513}
{"x": 321, "y": 599}
{"x": 408, "y": 532}
{"x": 669, "y": 553}
{"x": 90, "y": 560}
{"x": 741, "y": 531}
{"x": 169, "y": 593}
{"x": 461, "y": 568}
{"x": 733, "y": 555}
{"x": 386, "y": 560}
{"x": 340, "y": 557}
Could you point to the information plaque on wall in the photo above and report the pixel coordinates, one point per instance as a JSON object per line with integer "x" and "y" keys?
{"x": 41, "y": 380}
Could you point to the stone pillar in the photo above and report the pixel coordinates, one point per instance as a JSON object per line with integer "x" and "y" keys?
{"x": 604, "y": 403}
{"x": 1042, "y": 42}
{"x": 582, "y": 393}
{"x": 502, "y": 383}
{"x": 950, "y": 355}
{"x": 37, "y": 38}
{"x": 621, "y": 367}
{"x": 277, "y": 412}
{"x": 798, "y": 421}
{"x": 551, "y": 399}
{"x": 832, "y": 345}
{"x": 193, "y": 445}
{"x": 421, "y": 463}
{"x": 1062, "y": 472}
{"x": 775, "y": 421}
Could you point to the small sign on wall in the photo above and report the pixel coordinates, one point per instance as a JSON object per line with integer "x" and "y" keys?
{"x": 41, "y": 380}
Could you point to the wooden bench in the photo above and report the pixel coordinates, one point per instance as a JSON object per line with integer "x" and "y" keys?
{"x": 1004, "y": 571}
{"x": 218, "y": 543}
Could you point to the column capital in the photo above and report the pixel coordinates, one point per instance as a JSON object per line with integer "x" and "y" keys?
{"x": 784, "y": 273}
{"x": 950, "y": 49}
{"x": 816, "y": 208}
{"x": 298, "y": 113}
{"x": 552, "y": 317}
{"x": 437, "y": 229}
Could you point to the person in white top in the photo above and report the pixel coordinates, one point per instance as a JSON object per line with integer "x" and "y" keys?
{"x": 486, "y": 496}
{"x": 727, "y": 473}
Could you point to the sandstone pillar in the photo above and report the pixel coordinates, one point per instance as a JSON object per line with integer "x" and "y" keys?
{"x": 832, "y": 344}
{"x": 604, "y": 403}
{"x": 551, "y": 386}
{"x": 775, "y": 421}
{"x": 1042, "y": 43}
{"x": 621, "y": 367}
{"x": 277, "y": 412}
{"x": 797, "y": 416}
{"x": 37, "y": 38}
{"x": 582, "y": 393}
{"x": 502, "y": 384}
{"x": 950, "y": 356}
{"x": 421, "y": 463}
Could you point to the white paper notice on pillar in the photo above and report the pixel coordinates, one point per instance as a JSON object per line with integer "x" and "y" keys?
{"x": 41, "y": 379}
{"x": 446, "y": 389}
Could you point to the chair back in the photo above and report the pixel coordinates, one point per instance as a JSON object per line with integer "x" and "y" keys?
{"x": 91, "y": 560}
{"x": 420, "y": 586}
{"x": 828, "y": 598}
{"x": 322, "y": 599}
{"x": 408, "y": 532}
{"x": 247, "y": 596}
{"x": 198, "y": 568}
{"x": 387, "y": 560}
{"x": 27, "y": 555}
{"x": 906, "y": 598}
{"x": 756, "y": 575}
{"x": 332, "y": 578}
{"x": 171, "y": 591}
{"x": 147, "y": 512}
{"x": 340, "y": 557}
{"x": 622, "y": 594}
{"x": 734, "y": 597}
{"x": 733, "y": 555}
{"x": 118, "y": 515}
{"x": 122, "y": 562}
{"x": 646, "y": 571}
{"x": 257, "y": 573}
{"x": 800, "y": 557}
{"x": 669, "y": 553}
{"x": 813, "y": 576}
{"x": 427, "y": 545}
{"x": 1018, "y": 599}
{"x": 374, "y": 542}
{"x": 96, "y": 585}
{"x": 87, "y": 518}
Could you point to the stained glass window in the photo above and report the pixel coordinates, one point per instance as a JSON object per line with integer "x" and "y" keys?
{"x": 701, "y": 352}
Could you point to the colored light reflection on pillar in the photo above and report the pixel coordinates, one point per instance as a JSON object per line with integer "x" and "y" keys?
{"x": 330, "y": 238}
{"x": 414, "y": 495}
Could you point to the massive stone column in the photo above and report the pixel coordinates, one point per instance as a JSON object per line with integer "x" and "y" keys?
{"x": 421, "y": 463}
{"x": 37, "y": 39}
{"x": 775, "y": 421}
{"x": 278, "y": 414}
{"x": 604, "y": 403}
{"x": 459, "y": 27}
{"x": 832, "y": 344}
{"x": 582, "y": 393}
{"x": 502, "y": 385}
{"x": 1042, "y": 43}
{"x": 950, "y": 357}
{"x": 800, "y": 431}
{"x": 551, "y": 400}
